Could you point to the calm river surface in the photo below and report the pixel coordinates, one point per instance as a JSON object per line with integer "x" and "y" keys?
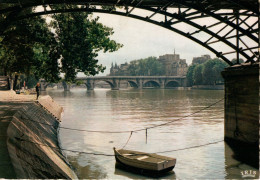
{"x": 127, "y": 110}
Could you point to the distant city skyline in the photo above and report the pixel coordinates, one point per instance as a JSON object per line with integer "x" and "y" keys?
{"x": 142, "y": 39}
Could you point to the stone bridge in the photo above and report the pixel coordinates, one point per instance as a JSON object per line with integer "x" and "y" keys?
{"x": 134, "y": 81}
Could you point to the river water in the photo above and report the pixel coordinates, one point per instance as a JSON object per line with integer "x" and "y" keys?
{"x": 130, "y": 109}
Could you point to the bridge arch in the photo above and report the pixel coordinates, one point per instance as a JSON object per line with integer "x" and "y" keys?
{"x": 132, "y": 83}
{"x": 172, "y": 84}
{"x": 107, "y": 81}
{"x": 151, "y": 83}
{"x": 230, "y": 28}
{"x": 45, "y": 85}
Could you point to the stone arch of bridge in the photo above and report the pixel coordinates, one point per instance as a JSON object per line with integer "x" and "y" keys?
{"x": 156, "y": 84}
{"x": 107, "y": 81}
{"x": 132, "y": 83}
{"x": 230, "y": 29}
{"x": 172, "y": 83}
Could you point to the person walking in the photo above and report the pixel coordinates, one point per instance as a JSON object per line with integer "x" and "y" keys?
{"x": 37, "y": 90}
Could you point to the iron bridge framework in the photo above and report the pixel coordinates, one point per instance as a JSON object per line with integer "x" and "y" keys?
{"x": 228, "y": 28}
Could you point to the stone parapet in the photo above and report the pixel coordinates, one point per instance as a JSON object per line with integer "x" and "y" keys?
{"x": 51, "y": 106}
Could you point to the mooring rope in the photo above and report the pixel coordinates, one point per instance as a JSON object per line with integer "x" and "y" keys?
{"x": 127, "y": 140}
{"x": 131, "y": 132}
{"x": 128, "y": 131}
{"x": 103, "y": 154}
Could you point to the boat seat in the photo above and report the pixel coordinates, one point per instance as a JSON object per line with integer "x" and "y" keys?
{"x": 127, "y": 154}
{"x": 143, "y": 157}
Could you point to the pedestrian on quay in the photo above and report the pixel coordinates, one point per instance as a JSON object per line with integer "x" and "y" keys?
{"x": 37, "y": 90}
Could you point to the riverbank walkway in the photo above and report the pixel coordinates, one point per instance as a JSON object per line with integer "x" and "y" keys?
{"x": 10, "y": 102}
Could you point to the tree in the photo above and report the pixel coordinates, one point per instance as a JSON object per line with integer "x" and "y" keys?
{"x": 146, "y": 67}
{"x": 29, "y": 47}
{"x": 189, "y": 75}
{"x": 207, "y": 72}
{"x": 18, "y": 47}
{"x": 132, "y": 68}
{"x": 154, "y": 67}
{"x": 197, "y": 75}
{"x": 212, "y": 71}
{"x": 80, "y": 39}
{"x": 217, "y": 69}
{"x": 234, "y": 61}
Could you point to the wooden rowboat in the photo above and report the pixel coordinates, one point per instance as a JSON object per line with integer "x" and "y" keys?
{"x": 146, "y": 162}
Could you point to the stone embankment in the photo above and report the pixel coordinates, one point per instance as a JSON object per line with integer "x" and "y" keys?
{"x": 208, "y": 87}
{"x": 29, "y": 135}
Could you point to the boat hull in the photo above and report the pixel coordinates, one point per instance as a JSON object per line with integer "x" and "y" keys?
{"x": 138, "y": 170}
{"x": 144, "y": 163}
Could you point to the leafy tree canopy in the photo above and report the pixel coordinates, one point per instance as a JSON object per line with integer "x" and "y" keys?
{"x": 29, "y": 47}
{"x": 208, "y": 73}
{"x": 80, "y": 38}
{"x": 197, "y": 74}
{"x": 69, "y": 44}
{"x": 189, "y": 75}
{"x": 146, "y": 67}
{"x": 234, "y": 61}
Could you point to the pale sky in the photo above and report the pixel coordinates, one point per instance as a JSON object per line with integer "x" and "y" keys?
{"x": 142, "y": 39}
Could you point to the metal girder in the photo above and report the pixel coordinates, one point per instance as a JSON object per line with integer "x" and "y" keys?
{"x": 210, "y": 4}
{"x": 188, "y": 12}
{"x": 218, "y": 54}
{"x": 200, "y": 28}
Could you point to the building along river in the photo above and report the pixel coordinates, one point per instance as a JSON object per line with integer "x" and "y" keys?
{"x": 127, "y": 110}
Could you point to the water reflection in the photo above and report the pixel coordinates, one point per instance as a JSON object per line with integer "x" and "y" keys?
{"x": 86, "y": 167}
{"x": 134, "y": 174}
{"x": 237, "y": 160}
{"x": 108, "y": 110}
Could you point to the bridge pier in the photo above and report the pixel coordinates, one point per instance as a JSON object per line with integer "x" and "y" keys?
{"x": 116, "y": 84}
{"x": 242, "y": 110}
{"x": 43, "y": 86}
{"x": 90, "y": 85}
{"x": 66, "y": 86}
{"x": 184, "y": 82}
{"x": 162, "y": 84}
{"x": 139, "y": 83}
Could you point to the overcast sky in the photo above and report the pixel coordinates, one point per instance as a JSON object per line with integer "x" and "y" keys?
{"x": 142, "y": 39}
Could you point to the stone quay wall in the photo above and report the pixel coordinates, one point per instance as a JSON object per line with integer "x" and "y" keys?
{"x": 242, "y": 103}
{"x": 208, "y": 87}
{"x": 32, "y": 142}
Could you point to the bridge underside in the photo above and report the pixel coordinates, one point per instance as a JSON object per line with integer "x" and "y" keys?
{"x": 228, "y": 28}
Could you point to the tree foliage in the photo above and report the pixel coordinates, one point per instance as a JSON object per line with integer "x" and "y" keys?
{"x": 80, "y": 38}
{"x": 31, "y": 47}
{"x": 146, "y": 67}
{"x": 208, "y": 73}
{"x": 197, "y": 74}
{"x": 189, "y": 75}
{"x": 234, "y": 61}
